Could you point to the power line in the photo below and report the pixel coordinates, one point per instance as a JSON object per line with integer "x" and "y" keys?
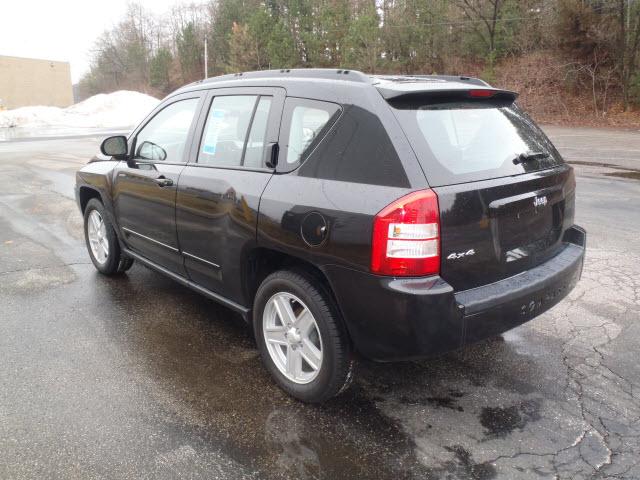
{"x": 463, "y": 22}
{"x": 320, "y": 29}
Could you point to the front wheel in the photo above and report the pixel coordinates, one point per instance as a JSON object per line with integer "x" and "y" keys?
{"x": 102, "y": 242}
{"x": 301, "y": 338}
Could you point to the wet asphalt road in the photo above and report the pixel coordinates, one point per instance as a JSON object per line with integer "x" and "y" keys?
{"x": 137, "y": 377}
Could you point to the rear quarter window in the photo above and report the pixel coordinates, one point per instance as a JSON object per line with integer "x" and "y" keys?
{"x": 305, "y": 123}
{"x": 357, "y": 149}
{"x": 467, "y": 141}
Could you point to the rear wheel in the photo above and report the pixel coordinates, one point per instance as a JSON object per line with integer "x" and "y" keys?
{"x": 301, "y": 339}
{"x": 102, "y": 242}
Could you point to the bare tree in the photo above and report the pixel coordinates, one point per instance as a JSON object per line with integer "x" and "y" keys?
{"x": 483, "y": 15}
{"x": 628, "y": 45}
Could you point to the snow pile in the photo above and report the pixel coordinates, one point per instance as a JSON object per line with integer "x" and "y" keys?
{"x": 118, "y": 109}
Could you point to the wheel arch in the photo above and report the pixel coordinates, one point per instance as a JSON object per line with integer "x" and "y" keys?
{"x": 261, "y": 262}
{"x": 85, "y": 194}
{"x": 88, "y": 192}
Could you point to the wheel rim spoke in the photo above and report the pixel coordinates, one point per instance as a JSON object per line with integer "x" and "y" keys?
{"x": 276, "y": 335}
{"x": 294, "y": 362}
{"x": 311, "y": 354}
{"x": 305, "y": 322}
{"x": 285, "y": 312}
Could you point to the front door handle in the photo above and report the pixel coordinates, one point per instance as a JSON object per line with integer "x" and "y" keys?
{"x": 163, "y": 181}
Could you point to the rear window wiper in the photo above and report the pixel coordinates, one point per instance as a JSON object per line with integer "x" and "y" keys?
{"x": 527, "y": 157}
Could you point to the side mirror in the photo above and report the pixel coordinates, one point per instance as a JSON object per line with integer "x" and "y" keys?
{"x": 115, "y": 147}
{"x": 151, "y": 151}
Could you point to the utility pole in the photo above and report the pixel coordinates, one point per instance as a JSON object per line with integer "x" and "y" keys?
{"x": 205, "y": 58}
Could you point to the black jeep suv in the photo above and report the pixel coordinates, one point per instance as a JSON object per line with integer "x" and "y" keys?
{"x": 397, "y": 217}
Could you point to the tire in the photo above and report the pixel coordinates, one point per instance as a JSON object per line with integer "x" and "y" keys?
{"x": 111, "y": 261}
{"x": 327, "y": 334}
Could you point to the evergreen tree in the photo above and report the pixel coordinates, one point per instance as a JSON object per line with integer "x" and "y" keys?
{"x": 159, "y": 69}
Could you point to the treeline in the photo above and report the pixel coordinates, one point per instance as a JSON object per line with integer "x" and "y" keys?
{"x": 583, "y": 48}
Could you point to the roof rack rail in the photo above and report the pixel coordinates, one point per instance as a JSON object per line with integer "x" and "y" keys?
{"x": 432, "y": 78}
{"x": 454, "y": 78}
{"x": 319, "y": 73}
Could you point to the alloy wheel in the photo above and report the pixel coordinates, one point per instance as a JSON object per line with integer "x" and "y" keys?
{"x": 97, "y": 235}
{"x": 292, "y": 337}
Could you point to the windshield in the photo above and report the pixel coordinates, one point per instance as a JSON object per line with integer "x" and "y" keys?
{"x": 468, "y": 141}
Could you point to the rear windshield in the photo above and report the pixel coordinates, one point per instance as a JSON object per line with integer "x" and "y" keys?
{"x": 468, "y": 141}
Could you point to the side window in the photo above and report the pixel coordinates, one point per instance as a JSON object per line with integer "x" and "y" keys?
{"x": 305, "y": 123}
{"x": 235, "y": 131}
{"x": 165, "y": 136}
{"x": 258, "y": 134}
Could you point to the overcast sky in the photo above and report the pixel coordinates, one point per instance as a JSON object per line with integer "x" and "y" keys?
{"x": 62, "y": 29}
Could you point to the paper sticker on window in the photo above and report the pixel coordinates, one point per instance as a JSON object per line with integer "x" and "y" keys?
{"x": 209, "y": 149}
{"x": 217, "y": 114}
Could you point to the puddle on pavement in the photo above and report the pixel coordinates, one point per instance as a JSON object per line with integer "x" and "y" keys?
{"x": 27, "y": 281}
{"x": 198, "y": 379}
{"x": 620, "y": 172}
{"x": 632, "y": 175}
{"x": 602, "y": 165}
{"x": 208, "y": 375}
{"x": 501, "y": 421}
{"x": 463, "y": 466}
{"x": 28, "y": 266}
{"x": 56, "y": 211}
{"x": 205, "y": 371}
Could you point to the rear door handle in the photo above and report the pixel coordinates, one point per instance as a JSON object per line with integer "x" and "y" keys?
{"x": 163, "y": 181}
{"x": 272, "y": 155}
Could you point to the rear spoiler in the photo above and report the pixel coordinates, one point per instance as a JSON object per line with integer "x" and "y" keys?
{"x": 400, "y": 96}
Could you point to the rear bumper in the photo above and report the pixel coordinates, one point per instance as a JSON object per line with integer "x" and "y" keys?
{"x": 500, "y": 306}
{"x": 395, "y": 319}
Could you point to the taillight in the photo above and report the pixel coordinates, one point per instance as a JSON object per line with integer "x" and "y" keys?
{"x": 481, "y": 93}
{"x": 406, "y": 237}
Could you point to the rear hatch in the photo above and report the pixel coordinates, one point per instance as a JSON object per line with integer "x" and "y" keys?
{"x": 506, "y": 197}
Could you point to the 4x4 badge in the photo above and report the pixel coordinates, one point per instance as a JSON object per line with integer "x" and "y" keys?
{"x": 456, "y": 256}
